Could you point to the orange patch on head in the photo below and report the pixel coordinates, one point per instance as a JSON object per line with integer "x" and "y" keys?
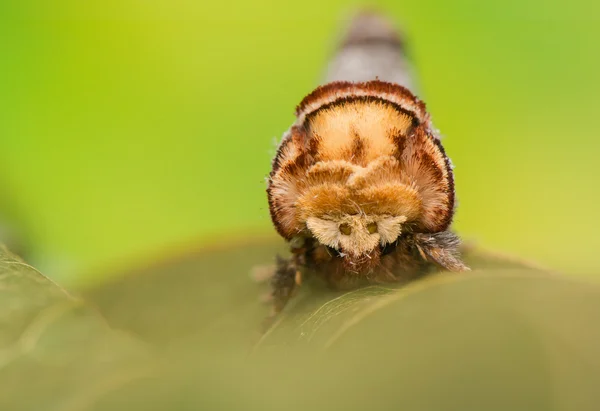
{"x": 324, "y": 199}
{"x": 390, "y": 199}
{"x": 357, "y": 130}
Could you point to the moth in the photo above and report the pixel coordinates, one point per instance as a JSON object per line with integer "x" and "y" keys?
{"x": 361, "y": 186}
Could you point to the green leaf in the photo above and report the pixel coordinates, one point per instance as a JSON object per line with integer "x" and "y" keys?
{"x": 185, "y": 335}
{"x": 56, "y": 352}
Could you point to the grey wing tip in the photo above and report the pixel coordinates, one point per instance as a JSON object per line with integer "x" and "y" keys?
{"x": 371, "y": 26}
{"x": 371, "y": 47}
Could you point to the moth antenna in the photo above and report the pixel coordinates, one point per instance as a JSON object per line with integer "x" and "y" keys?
{"x": 371, "y": 48}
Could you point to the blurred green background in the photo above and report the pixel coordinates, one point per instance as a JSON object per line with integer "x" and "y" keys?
{"x": 130, "y": 130}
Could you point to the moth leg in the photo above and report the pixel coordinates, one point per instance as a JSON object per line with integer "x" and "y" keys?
{"x": 441, "y": 249}
{"x": 285, "y": 281}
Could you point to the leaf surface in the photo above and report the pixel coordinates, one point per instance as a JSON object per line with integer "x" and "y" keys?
{"x": 184, "y": 334}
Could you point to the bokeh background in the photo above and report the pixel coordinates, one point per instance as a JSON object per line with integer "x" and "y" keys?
{"x": 135, "y": 129}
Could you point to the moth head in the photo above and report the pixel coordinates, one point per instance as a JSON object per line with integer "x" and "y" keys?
{"x": 357, "y": 238}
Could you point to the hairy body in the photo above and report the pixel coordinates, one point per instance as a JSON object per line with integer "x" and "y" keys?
{"x": 362, "y": 189}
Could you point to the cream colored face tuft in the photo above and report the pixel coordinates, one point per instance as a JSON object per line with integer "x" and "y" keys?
{"x": 356, "y": 234}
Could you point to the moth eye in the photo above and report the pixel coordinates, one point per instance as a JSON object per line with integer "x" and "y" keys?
{"x": 345, "y": 229}
{"x": 372, "y": 228}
